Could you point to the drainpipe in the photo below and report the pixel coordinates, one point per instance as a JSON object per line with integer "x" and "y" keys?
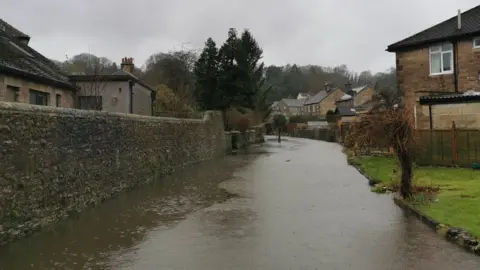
{"x": 430, "y": 116}
{"x": 455, "y": 52}
{"x": 131, "y": 83}
{"x": 455, "y": 66}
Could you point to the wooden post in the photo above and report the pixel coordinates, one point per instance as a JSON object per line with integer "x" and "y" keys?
{"x": 454, "y": 143}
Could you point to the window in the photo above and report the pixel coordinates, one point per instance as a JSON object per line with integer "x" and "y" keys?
{"x": 476, "y": 42}
{"x": 441, "y": 59}
{"x": 39, "y": 98}
{"x": 58, "y": 100}
{"x": 90, "y": 103}
{"x": 12, "y": 94}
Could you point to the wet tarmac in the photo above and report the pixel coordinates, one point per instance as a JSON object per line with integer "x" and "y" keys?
{"x": 299, "y": 206}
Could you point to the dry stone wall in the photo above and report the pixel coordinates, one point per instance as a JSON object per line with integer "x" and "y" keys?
{"x": 54, "y": 161}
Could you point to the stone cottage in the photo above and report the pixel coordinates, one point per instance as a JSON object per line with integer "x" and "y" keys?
{"x": 29, "y": 77}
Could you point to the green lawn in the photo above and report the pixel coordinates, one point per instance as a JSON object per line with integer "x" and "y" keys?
{"x": 459, "y": 198}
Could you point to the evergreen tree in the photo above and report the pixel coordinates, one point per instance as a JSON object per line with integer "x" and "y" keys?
{"x": 250, "y": 72}
{"x": 206, "y": 72}
{"x": 228, "y": 86}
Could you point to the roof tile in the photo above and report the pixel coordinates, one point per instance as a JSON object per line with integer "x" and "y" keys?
{"x": 18, "y": 57}
{"x": 443, "y": 31}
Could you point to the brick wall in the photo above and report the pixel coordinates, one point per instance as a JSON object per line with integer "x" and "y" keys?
{"x": 413, "y": 76}
{"x": 67, "y": 96}
{"x": 56, "y": 161}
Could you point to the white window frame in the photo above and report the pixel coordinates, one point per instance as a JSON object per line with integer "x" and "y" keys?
{"x": 435, "y": 47}
{"x": 476, "y": 39}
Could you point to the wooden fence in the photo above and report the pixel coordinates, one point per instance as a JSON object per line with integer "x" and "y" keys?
{"x": 452, "y": 147}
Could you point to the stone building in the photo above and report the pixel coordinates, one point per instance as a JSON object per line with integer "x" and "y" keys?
{"x": 27, "y": 76}
{"x": 120, "y": 92}
{"x": 441, "y": 60}
{"x": 323, "y": 101}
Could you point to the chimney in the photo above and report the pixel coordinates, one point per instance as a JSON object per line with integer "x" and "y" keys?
{"x": 459, "y": 19}
{"x": 328, "y": 86}
{"x": 127, "y": 64}
{"x": 348, "y": 86}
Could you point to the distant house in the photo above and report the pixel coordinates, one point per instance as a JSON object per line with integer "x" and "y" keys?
{"x": 442, "y": 60}
{"x": 346, "y": 114}
{"x": 287, "y": 107}
{"x": 27, "y": 76}
{"x": 323, "y": 101}
{"x": 120, "y": 92}
{"x": 360, "y": 94}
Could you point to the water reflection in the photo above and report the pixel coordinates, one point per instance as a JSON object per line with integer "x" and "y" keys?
{"x": 89, "y": 240}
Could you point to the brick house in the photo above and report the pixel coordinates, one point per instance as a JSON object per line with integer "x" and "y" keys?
{"x": 441, "y": 60}
{"x": 323, "y": 101}
{"x": 120, "y": 92}
{"x": 29, "y": 77}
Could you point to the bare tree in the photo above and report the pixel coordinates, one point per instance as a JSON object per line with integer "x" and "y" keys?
{"x": 388, "y": 124}
{"x": 93, "y": 90}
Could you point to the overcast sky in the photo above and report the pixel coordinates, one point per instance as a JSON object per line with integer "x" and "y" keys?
{"x": 323, "y": 32}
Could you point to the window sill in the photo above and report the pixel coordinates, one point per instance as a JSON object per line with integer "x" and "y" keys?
{"x": 440, "y": 74}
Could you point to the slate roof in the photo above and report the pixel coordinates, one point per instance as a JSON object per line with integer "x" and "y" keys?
{"x": 120, "y": 75}
{"x": 469, "y": 96}
{"x": 18, "y": 59}
{"x": 443, "y": 31}
{"x": 317, "y": 98}
{"x": 344, "y": 111}
{"x": 293, "y": 102}
{"x": 360, "y": 88}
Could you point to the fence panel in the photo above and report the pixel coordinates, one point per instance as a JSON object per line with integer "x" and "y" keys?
{"x": 448, "y": 147}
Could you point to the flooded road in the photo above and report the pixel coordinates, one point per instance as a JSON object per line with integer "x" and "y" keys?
{"x": 299, "y": 207}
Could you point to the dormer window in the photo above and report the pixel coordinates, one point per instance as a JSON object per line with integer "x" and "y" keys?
{"x": 476, "y": 43}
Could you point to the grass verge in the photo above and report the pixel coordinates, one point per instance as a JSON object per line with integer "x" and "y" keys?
{"x": 456, "y": 203}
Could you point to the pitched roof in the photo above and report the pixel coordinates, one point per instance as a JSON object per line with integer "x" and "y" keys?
{"x": 18, "y": 59}
{"x": 360, "y": 88}
{"x": 293, "y": 102}
{"x": 345, "y": 111}
{"x": 319, "y": 97}
{"x": 470, "y": 25}
{"x": 120, "y": 75}
{"x": 10, "y": 30}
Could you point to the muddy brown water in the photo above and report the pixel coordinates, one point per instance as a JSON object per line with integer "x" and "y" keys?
{"x": 299, "y": 207}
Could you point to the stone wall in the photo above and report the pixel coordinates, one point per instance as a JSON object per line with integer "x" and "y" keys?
{"x": 364, "y": 96}
{"x": 329, "y": 102}
{"x": 56, "y": 161}
{"x": 465, "y": 115}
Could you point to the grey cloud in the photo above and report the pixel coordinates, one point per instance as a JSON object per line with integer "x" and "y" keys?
{"x": 324, "y": 32}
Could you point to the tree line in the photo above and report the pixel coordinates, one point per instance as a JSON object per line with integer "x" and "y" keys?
{"x": 230, "y": 75}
